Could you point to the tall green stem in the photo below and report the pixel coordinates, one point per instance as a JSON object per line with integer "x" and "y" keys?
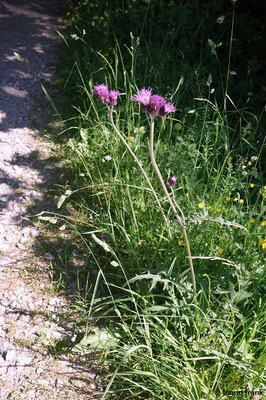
{"x": 137, "y": 161}
{"x": 172, "y": 203}
{"x": 229, "y": 60}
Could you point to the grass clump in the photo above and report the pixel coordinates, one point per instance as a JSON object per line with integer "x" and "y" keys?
{"x": 158, "y": 335}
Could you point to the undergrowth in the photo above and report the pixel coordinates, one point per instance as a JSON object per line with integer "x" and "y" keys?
{"x": 154, "y": 338}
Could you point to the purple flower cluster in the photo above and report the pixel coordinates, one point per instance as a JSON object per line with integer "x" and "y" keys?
{"x": 172, "y": 181}
{"x": 106, "y": 96}
{"x": 153, "y": 104}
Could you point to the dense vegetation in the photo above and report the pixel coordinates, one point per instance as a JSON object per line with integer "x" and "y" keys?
{"x": 155, "y": 338}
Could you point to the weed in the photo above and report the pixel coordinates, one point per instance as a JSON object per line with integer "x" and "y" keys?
{"x": 152, "y": 337}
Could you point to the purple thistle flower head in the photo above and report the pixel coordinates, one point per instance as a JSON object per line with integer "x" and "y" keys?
{"x": 106, "y": 96}
{"x": 102, "y": 92}
{"x": 113, "y": 97}
{"x": 172, "y": 181}
{"x": 156, "y": 103}
{"x": 166, "y": 109}
{"x": 143, "y": 96}
{"x": 153, "y": 104}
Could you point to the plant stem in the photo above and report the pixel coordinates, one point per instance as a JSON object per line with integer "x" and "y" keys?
{"x": 229, "y": 60}
{"x": 138, "y": 163}
{"x": 172, "y": 203}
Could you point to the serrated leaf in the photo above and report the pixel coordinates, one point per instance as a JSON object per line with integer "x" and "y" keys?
{"x": 238, "y": 296}
{"x": 102, "y": 340}
{"x": 156, "y": 278}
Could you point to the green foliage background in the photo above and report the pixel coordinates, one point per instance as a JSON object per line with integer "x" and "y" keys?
{"x": 156, "y": 341}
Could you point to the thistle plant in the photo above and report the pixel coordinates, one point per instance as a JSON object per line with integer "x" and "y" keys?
{"x": 154, "y": 105}
{"x": 110, "y": 99}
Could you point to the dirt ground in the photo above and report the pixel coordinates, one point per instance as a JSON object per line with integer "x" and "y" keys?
{"x": 30, "y": 313}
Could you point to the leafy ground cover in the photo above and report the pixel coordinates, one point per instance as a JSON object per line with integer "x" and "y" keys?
{"x": 155, "y": 338}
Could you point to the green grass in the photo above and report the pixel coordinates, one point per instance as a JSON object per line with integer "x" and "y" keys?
{"x": 155, "y": 340}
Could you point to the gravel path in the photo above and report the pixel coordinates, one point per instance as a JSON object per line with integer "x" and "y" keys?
{"x": 28, "y": 314}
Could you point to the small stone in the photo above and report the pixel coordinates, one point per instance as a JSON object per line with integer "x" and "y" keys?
{"x": 44, "y": 382}
{"x": 74, "y": 252}
{"x": 21, "y": 246}
{"x": 24, "y": 359}
{"x": 5, "y": 261}
{"x": 49, "y": 256}
{"x": 39, "y": 370}
{"x": 10, "y": 355}
{"x": 59, "y": 382}
{"x": 23, "y": 239}
{"x": 31, "y": 394}
{"x": 14, "y": 305}
{"x": 34, "y": 233}
{"x": 54, "y": 301}
{"x": 26, "y": 231}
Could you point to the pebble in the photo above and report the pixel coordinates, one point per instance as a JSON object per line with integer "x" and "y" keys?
{"x": 5, "y": 261}
{"x": 49, "y": 256}
{"x": 59, "y": 382}
{"x": 20, "y": 246}
{"x": 25, "y": 359}
{"x": 23, "y": 239}
{"x": 39, "y": 371}
{"x": 44, "y": 382}
{"x": 54, "y": 301}
{"x": 10, "y": 355}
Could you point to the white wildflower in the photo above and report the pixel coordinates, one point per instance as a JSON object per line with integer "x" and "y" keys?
{"x": 220, "y": 20}
{"x": 114, "y": 263}
{"x": 106, "y": 158}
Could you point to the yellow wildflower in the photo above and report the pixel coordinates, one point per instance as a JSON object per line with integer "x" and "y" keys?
{"x": 241, "y": 201}
{"x": 201, "y": 205}
{"x": 236, "y": 199}
{"x": 129, "y": 138}
{"x": 220, "y": 251}
{"x": 251, "y": 185}
{"x": 264, "y": 187}
{"x": 228, "y": 198}
{"x": 210, "y": 207}
{"x": 252, "y": 220}
{"x": 263, "y": 223}
{"x": 261, "y": 241}
{"x": 264, "y": 246}
{"x": 181, "y": 242}
{"x": 230, "y": 158}
{"x": 236, "y": 227}
{"x": 249, "y": 163}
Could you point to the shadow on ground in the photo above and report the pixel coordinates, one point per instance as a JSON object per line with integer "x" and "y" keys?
{"x": 32, "y": 178}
